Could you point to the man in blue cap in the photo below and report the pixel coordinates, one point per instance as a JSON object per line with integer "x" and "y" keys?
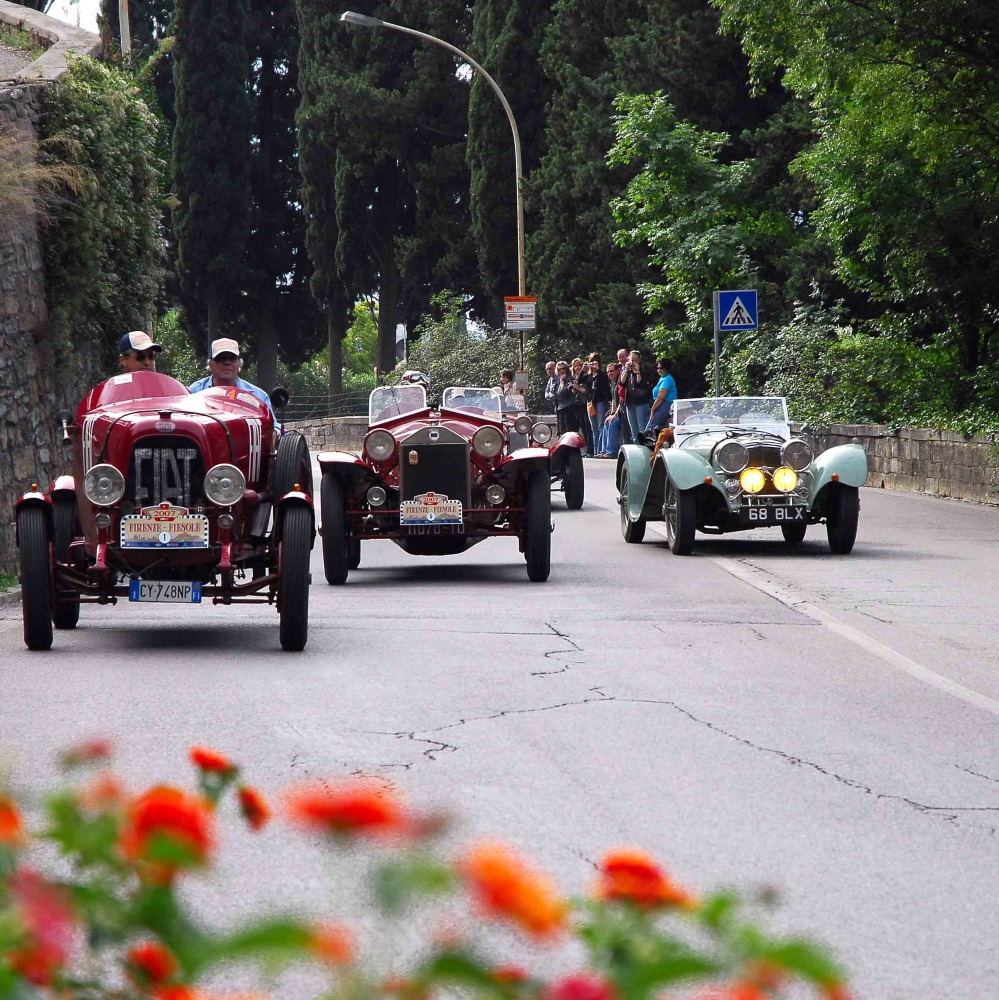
{"x": 137, "y": 352}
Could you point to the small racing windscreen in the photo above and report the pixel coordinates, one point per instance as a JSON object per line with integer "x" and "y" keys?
{"x": 742, "y": 411}
{"x": 388, "y": 401}
{"x": 481, "y": 402}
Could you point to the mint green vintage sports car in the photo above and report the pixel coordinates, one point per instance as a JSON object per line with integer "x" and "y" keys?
{"x": 733, "y": 465}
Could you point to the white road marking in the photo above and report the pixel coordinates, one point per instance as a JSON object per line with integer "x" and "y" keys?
{"x": 758, "y": 579}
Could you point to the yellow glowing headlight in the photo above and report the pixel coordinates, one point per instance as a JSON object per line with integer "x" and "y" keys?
{"x": 785, "y": 479}
{"x": 752, "y": 480}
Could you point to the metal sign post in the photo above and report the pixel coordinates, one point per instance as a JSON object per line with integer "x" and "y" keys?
{"x": 519, "y": 311}
{"x": 733, "y": 310}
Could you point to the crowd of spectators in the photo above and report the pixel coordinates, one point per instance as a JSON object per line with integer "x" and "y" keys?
{"x": 611, "y": 405}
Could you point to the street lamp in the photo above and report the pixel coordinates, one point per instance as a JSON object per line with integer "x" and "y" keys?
{"x": 364, "y": 21}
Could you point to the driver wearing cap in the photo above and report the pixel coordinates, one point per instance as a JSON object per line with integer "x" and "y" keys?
{"x": 225, "y": 364}
{"x": 137, "y": 352}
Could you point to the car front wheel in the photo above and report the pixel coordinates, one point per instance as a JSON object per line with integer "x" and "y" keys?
{"x": 333, "y": 505}
{"x": 293, "y": 583}
{"x": 633, "y": 531}
{"x": 35, "y": 557}
{"x": 794, "y": 534}
{"x": 572, "y": 481}
{"x": 680, "y": 513}
{"x": 842, "y": 517}
{"x": 538, "y": 527}
{"x": 65, "y": 528}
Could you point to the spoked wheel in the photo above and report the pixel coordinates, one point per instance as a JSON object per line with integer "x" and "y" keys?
{"x": 353, "y": 552}
{"x": 572, "y": 482}
{"x": 680, "y": 513}
{"x": 65, "y": 528}
{"x": 842, "y": 517}
{"x": 633, "y": 531}
{"x": 333, "y": 506}
{"x": 538, "y": 526}
{"x": 292, "y": 465}
{"x": 794, "y": 534}
{"x": 293, "y": 583}
{"x": 35, "y": 557}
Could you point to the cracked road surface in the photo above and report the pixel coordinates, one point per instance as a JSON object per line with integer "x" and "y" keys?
{"x": 635, "y": 698}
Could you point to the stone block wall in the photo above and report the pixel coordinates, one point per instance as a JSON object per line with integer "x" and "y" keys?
{"x": 333, "y": 433}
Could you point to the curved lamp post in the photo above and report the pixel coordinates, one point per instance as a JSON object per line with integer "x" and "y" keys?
{"x": 350, "y": 17}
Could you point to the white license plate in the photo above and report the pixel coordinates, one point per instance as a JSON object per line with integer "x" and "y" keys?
{"x": 169, "y": 591}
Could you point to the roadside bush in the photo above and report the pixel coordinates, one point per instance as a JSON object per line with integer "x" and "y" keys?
{"x": 121, "y": 927}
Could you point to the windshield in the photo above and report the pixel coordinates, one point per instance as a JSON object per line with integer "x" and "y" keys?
{"x": 482, "y": 402}
{"x": 388, "y": 401}
{"x": 744, "y": 411}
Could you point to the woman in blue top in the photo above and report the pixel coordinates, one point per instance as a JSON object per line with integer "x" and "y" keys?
{"x": 663, "y": 396}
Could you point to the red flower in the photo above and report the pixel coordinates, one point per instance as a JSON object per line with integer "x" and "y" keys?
{"x": 634, "y": 877}
{"x": 11, "y": 825}
{"x": 165, "y": 813}
{"x": 211, "y": 760}
{"x": 505, "y": 887}
{"x": 254, "y": 807}
{"x": 735, "y": 991}
{"x": 359, "y": 807}
{"x": 88, "y": 752}
{"x": 150, "y": 964}
{"x": 510, "y": 974}
{"x": 47, "y": 928}
{"x": 580, "y": 986}
{"x": 103, "y": 793}
{"x": 332, "y": 944}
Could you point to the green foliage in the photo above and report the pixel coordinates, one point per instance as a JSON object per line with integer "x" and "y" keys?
{"x": 16, "y": 38}
{"x": 7, "y": 581}
{"x": 360, "y": 346}
{"x": 102, "y": 252}
{"x": 180, "y": 357}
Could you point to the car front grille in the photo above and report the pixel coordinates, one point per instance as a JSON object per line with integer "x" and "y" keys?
{"x": 165, "y": 469}
{"x": 435, "y": 460}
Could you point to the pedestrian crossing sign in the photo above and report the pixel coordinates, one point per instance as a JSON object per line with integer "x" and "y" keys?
{"x": 736, "y": 310}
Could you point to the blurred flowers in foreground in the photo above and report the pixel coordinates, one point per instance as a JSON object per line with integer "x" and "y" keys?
{"x": 120, "y": 918}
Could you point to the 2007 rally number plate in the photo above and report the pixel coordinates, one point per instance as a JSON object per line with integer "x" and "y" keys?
{"x": 757, "y": 516}
{"x": 169, "y": 591}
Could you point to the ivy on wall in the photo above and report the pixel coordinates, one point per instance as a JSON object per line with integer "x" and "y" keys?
{"x": 103, "y": 252}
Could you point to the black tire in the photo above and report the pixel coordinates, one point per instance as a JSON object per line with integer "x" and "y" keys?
{"x": 292, "y": 465}
{"x": 35, "y": 558}
{"x": 353, "y": 552}
{"x": 65, "y": 528}
{"x": 573, "y": 481}
{"x": 293, "y": 585}
{"x": 842, "y": 518}
{"x": 794, "y": 534}
{"x": 538, "y": 526}
{"x": 333, "y": 508}
{"x": 680, "y": 514}
{"x": 633, "y": 531}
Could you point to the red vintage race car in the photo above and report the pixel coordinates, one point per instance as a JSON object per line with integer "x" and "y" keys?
{"x": 436, "y": 482}
{"x": 175, "y": 496}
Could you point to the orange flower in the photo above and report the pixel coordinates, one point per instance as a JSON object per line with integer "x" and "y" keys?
{"x": 505, "y": 887}
{"x": 104, "y": 792}
{"x": 165, "y": 813}
{"x": 332, "y": 944}
{"x": 581, "y": 986}
{"x": 359, "y": 807}
{"x": 835, "y": 991}
{"x": 11, "y": 826}
{"x": 87, "y": 752}
{"x": 46, "y": 923}
{"x": 735, "y": 991}
{"x": 633, "y": 876}
{"x": 254, "y": 807}
{"x": 510, "y": 974}
{"x": 150, "y": 964}
{"x": 211, "y": 760}
{"x": 189, "y": 993}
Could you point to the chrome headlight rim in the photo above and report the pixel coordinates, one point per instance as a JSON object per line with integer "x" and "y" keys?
{"x": 379, "y": 445}
{"x": 110, "y": 492}
{"x": 523, "y": 424}
{"x": 797, "y": 454}
{"x": 224, "y": 485}
{"x": 542, "y": 433}
{"x": 487, "y": 442}
{"x": 732, "y": 457}
{"x": 376, "y": 496}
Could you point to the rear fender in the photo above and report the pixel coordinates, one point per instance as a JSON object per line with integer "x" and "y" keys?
{"x": 297, "y": 499}
{"x": 33, "y": 499}
{"x": 848, "y": 462}
{"x": 635, "y": 458}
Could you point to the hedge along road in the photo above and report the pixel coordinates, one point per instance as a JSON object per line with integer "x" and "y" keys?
{"x": 750, "y": 714}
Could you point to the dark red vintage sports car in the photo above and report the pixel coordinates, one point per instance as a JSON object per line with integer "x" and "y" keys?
{"x": 175, "y": 496}
{"x": 436, "y": 482}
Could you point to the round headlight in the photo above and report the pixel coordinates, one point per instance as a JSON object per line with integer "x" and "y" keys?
{"x": 542, "y": 432}
{"x": 752, "y": 480}
{"x": 785, "y": 479}
{"x": 495, "y": 494}
{"x": 488, "y": 442}
{"x": 379, "y": 446}
{"x": 523, "y": 424}
{"x": 796, "y": 454}
{"x": 376, "y": 496}
{"x": 732, "y": 457}
{"x": 103, "y": 485}
{"x": 224, "y": 485}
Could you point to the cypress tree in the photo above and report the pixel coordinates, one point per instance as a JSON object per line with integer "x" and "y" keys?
{"x": 211, "y": 145}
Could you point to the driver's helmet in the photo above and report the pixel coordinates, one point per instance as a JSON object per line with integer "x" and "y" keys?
{"x": 415, "y": 378}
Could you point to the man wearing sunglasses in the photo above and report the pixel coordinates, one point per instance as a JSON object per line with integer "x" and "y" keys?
{"x": 137, "y": 352}
{"x": 225, "y": 364}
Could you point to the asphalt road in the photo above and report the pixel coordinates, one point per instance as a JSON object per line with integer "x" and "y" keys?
{"x": 753, "y": 715}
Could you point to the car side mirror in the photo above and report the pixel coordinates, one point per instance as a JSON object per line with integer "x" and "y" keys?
{"x": 64, "y": 419}
{"x": 279, "y": 397}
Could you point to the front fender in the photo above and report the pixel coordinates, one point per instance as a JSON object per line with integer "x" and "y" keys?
{"x": 848, "y": 462}
{"x": 685, "y": 468}
{"x": 297, "y": 499}
{"x": 635, "y": 459}
{"x": 343, "y": 464}
{"x": 526, "y": 460}
{"x": 570, "y": 439}
{"x": 63, "y": 484}
{"x": 32, "y": 499}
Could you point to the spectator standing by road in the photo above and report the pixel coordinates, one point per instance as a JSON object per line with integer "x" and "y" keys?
{"x": 623, "y": 428}
{"x": 663, "y": 396}
{"x": 581, "y": 377}
{"x": 137, "y": 352}
{"x": 565, "y": 400}
{"x": 597, "y": 401}
{"x": 552, "y": 379}
{"x": 611, "y": 431}
{"x": 637, "y": 394}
